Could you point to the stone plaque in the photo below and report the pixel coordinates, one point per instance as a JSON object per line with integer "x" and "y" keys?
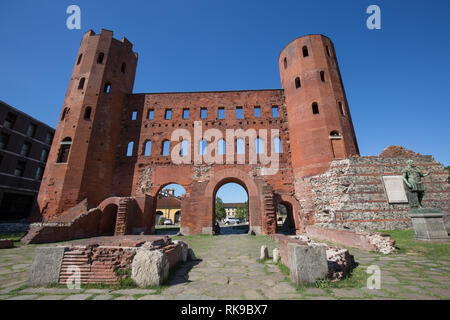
{"x": 395, "y": 192}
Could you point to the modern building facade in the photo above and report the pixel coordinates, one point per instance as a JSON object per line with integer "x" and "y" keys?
{"x": 24, "y": 147}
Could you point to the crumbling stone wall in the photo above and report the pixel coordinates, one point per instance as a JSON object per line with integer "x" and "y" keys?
{"x": 350, "y": 195}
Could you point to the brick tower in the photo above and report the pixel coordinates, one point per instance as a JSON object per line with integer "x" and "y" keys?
{"x": 81, "y": 160}
{"x": 320, "y": 125}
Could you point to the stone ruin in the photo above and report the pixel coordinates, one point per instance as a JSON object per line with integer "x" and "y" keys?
{"x": 108, "y": 260}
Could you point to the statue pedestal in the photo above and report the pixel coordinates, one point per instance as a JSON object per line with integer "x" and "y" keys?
{"x": 429, "y": 225}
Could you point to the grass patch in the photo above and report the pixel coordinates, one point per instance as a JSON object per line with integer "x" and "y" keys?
{"x": 405, "y": 243}
{"x": 12, "y": 236}
{"x": 284, "y": 270}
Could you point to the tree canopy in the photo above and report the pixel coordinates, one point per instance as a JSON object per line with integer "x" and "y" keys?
{"x": 220, "y": 209}
{"x": 242, "y": 211}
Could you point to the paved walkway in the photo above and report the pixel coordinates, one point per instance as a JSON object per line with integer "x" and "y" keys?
{"x": 229, "y": 270}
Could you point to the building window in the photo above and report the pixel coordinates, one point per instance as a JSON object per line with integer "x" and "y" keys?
{"x": 39, "y": 173}
{"x": 202, "y": 147}
{"x": 150, "y": 114}
{"x": 203, "y": 113}
{"x": 87, "y": 113}
{"x": 221, "y": 113}
{"x": 130, "y": 149}
{"x": 285, "y": 63}
{"x": 49, "y": 138}
{"x": 277, "y": 145}
{"x": 100, "y": 57}
{"x": 134, "y": 115}
{"x": 259, "y": 146}
{"x": 81, "y": 83}
{"x": 10, "y": 120}
{"x": 123, "y": 67}
{"x": 44, "y": 155}
{"x": 297, "y": 83}
{"x": 335, "y": 134}
{"x": 184, "y": 148}
{"x": 239, "y": 113}
{"x": 20, "y": 169}
{"x": 64, "y": 150}
{"x": 64, "y": 113}
{"x": 274, "y": 112}
{"x": 79, "y": 58}
{"x": 322, "y": 76}
{"x": 257, "y": 111}
{"x": 240, "y": 146}
{"x": 185, "y": 113}
{"x": 4, "y": 138}
{"x": 166, "y": 148}
{"x": 148, "y": 149}
{"x": 315, "y": 108}
{"x": 221, "y": 147}
{"x": 168, "y": 114}
{"x": 107, "y": 87}
{"x": 305, "y": 51}
{"x": 341, "y": 108}
{"x": 31, "y": 131}
{"x": 25, "y": 151}
{"x": 328, "y": 51}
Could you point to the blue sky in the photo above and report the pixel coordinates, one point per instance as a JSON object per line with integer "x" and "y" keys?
{"x": 396, "y": 78}
{"x": 229, "y": 192}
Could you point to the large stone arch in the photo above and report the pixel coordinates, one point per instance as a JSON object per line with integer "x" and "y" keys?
{"x": 292, "y": 206}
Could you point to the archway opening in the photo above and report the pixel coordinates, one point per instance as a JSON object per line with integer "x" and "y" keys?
{"x": 108, "y": 220}
{"x": 231, "y": 208}
{"x": 285, "y": 218}
{"x": 168, "y": 213}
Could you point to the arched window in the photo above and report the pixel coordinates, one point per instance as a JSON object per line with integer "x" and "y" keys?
{"x": 240, "y": 146}
{"x": 285, "y": 63}
{"x": 107, "y": 87}
{"x": 259, "y": 146}
{"x": 148, "y": 149}
{"x": 64, "y": 113}
{"x": 305, "y": 51}
{"x": 81, "y": 83}
{"x": 335, "y": 134}
{"x": 297, "y": 83}
{"x": 123, "y": 67}
{"x": 202, "y": 147}
{"x": 341, "y": 108}
{"x": 64, "y": 149}
{"x": 130, "y": 149}
{"x": 277, "y": 145}
{"x": 322, "y": 76}
{"x": 184, "y": 148}
{"x": 79, "y": 58}
{"x": 315, "y": 108}
{"x": 221, "y": 146}
{"x": 87, "y": 113}
{"x": 100, "y": 57}
{"x": 165, "y": 148}
{"x": 328, "y": 51}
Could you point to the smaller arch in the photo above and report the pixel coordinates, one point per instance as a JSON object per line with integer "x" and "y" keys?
{"x": 165, "y": 148}
{"x": 123, "y": 67}
{"x": 87, "y": 113}
{"x": 108, "y": 220}
{"x": 315, "y": 108}
{"x": 79, "y": 58}
{"x": 130, "y": 148}
{"x": 305, "y": 51}
{"x": 328, "y": 51}
{"x": 148, "y": 148}
{"x": 100, "y": 57}
{"x": 297, "y": 83}
{"x": 285, "y": 62}
{"x": 81, "y": 83}
{"x": 177, "y": 216}
{"x": 341, "y": 108}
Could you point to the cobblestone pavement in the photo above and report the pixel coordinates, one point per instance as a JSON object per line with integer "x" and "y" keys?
{"x": 229, "y": 270}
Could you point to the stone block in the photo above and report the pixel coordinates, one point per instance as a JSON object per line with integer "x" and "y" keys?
{"x": 264, "y": 253}
{"x": 46, "y": 266}
{"x": 149, "y": 268}
{"x": 429, "y": 224}
{"x": 307, "y": 263}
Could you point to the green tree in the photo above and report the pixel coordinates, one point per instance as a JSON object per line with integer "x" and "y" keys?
{"x": 220, "y": 209}
{"x": 242, "y": 211}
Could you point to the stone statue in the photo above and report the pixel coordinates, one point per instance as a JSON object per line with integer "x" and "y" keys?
{"x": 412, "y": 176}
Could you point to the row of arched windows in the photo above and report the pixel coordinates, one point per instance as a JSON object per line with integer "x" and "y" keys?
{"x": 86, "y": 116}
{"x": 106, "y": 88}
{"x": 298, "y": 83}
{"x": 221, "y": 147}
{"x": 100, "y": 58}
